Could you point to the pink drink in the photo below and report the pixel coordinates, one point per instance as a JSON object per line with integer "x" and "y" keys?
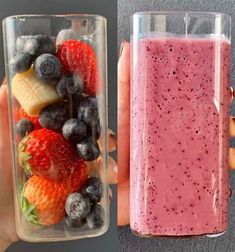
{"x": 179, "y": 139}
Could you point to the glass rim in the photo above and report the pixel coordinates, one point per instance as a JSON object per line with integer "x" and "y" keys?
{"x": 68, "y": 16}
{"x": 196, "y": 13}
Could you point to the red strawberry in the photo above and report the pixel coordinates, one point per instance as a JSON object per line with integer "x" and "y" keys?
{"x": 77, "y": 177}
{"x": 19, "y": 113}
{"x": 79, "y": 57}
{"x": 43, "y": 201}
{"x": 47, "y": 153}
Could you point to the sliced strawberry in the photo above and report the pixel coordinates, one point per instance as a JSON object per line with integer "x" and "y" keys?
{"x": 79, "y": 57}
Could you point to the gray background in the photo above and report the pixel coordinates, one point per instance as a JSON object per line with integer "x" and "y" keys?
{"x": 107, "y": 8}
{"x": 127, "y": 241}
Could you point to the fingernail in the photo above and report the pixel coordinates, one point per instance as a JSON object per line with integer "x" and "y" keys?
{"x": 230, "y": 192}
{"x": 110, "y": 194}
{"x": 113, "y": 136}
{"x": 113, "y": 164}
{"x": 112, "y": 143}
{"x": 232, "y": 92}
{"x": 115, "y": 168}
{"x": 121, "y": 48}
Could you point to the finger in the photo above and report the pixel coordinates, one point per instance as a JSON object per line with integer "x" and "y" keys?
{"x": 4, "y": 121}
{"x": 231, "y": 159}
{"x": 96, "y": 168}
{"x": 5, "y": 151}
{"x": 123, "y": 204}
{"x": 112, "y": 171}
{"x": 110, "y": 195}
{"x": 111, "y": 141}
{"x": 231, "y": 126}
{"x": 124, "y": 112}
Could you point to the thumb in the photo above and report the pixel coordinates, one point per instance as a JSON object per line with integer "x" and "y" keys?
{"x": 4, "y": 120}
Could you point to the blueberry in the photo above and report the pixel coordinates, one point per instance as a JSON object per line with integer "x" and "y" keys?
{"x": 69, "y": 85}
{"x": 21, "y": 41}
{"x": 74, "y": 223}
{"x": 39, "y": 44}
{"x": 88, "y": 149}
{"x": 74, "y": 130}
{"x": 75, "y": 100}
{"x": 77, "y": 206}
{"x": 93, "y": 189}
{"x": 24, "y": 126}
{"x": 88, "y": 111}
{"x": 47, "y": 67}
{"x": 53, "y": 116}
{"x": 94, "y": 132}
{"x": 95, "y": 219}
{"x": 21, "y": 62}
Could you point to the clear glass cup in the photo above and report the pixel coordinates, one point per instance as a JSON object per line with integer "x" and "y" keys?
{"x": 56, "y": 71}
{"x": 180, "y": 78}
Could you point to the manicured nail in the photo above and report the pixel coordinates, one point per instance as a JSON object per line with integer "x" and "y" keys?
{"x": 112, "y": 143}
{"x": 113, "y": 140}
{"x": 110, "y": 194}
{"x": 230, "y": 192}
{"x": 232, "y": 92}
{"x": 113, "y": 164}
{"x": 115, "y": 168}
{"x": 113, "y": 136}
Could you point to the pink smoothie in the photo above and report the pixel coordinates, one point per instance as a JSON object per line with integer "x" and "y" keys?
{"x": 179, "y": 136}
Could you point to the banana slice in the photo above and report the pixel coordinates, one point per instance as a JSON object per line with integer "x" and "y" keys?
{"x": 32, "y": 94}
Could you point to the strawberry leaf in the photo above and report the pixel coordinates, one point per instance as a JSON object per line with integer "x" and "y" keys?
{"x": 24, "y": 157}
{"x": 23, "y": 160}
{"x": 28, "y": 209}
{"x": 22, "y": 143}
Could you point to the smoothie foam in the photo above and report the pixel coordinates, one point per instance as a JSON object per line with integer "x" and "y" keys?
{"x": 179, "y": 140}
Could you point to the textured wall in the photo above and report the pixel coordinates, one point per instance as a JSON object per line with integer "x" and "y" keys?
{"x": 127, "y": 241}
{"x": 107, "y": 8}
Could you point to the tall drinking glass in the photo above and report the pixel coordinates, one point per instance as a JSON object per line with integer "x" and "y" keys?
{"x": 56, "y": 74}
{"x": 180, "y": 78}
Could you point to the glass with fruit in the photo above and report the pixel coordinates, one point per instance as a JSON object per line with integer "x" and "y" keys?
{"x": 180, "y": 77}
{"x": 56, "y": 75}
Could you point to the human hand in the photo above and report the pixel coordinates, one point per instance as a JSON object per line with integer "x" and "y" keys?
{"x": 123, "y": 133}
{"x": 7, "y": 217}
{"x": 8, "y": 233}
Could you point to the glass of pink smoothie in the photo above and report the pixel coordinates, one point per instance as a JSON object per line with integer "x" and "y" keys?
{"x": 180, "y": 79}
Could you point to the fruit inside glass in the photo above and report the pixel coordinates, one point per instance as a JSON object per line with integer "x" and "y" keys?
{"x": 56, "y": 75}
{"x": 180, "y": 77}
